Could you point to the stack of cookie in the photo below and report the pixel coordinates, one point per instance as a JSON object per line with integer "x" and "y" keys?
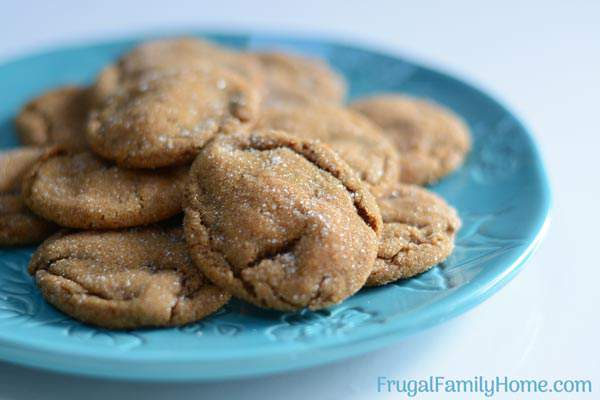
{"x": 290, "y": 199}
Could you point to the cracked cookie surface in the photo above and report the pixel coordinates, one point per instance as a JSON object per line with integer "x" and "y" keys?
{"x": 296, "y": 79}
{"x": 280, "y": 222}
{"x": 58, "y": 116}
{"x": 163, "y": 119}
{"x": 432, "y": 140}
{"x": 81, "y": 190}
{"x": 126, "y": 279}
{"x": 419, "y": 228}
{"x": 358, "y": 141}
{"x": 18, "y": 225}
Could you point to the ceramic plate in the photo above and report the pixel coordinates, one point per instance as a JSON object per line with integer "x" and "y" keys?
{"x": 501, "y": 194}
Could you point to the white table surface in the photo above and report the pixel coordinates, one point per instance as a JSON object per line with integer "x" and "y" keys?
{"x": 542, "y": 58}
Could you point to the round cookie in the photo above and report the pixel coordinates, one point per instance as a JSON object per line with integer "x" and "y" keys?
{"x": 296, "y": 79}
{"x": 418, "y": 233}
{"x": 127, "y": 279}
{"x": 165, "y": 119}
{"x": 359, "y": 142}
{"x": 280, "y": 222}
{"x": 432, "y": 140}
{"x": 15, "y": 163}
{"x": 18, "y": 225}
{"x": 80, "y": 190}
{"x": 175, "y": 54}
{"x": 58, "y": 116}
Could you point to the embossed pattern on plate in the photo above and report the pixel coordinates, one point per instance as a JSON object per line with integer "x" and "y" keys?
{"x": 501, "y": 194}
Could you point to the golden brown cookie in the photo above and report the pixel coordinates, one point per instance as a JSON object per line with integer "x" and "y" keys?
{"x": 359, "y": 142}
{"x": 124, "y": 279}
{"x": 18, "y": 225}
{"x": 297, "y": 79}
{"x": 80, "y": 190}
{"x": 58, "y": 116}
{"x": 175, "y": 54}
{"x": 432, "y": 140}
{"x": 14, "y": 164}
{"x": 280, "y": 222}
{"x": 165, "y": 119}
{"x": 418, "y": 232}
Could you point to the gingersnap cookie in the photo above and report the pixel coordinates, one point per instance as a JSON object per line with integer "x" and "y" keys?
{"x": 280, "y": 222}
{"x": 167, "y": 56}
{"x": 163, "y": 120}
{"x": 58, "y": 116}
{"x": 432, "y": 140}
{"x": 297, "y": 79}
{"x": 81, "y": 190}
{"x": 15, "y": 163}
{"x": 175, "y": 54}
{"x": 125, "y": 279}
{"x": 358, "y": 141}
{"x": 18, "y": 225}
{"x": 418, "y": 232}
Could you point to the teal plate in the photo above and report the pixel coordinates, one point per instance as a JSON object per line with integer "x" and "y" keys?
{"x": 501, "y": 193}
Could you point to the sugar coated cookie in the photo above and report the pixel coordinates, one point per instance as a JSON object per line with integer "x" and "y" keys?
{"x": 125, "y": 279}
{"x": 280, "y": 222}
{"x": 81, "y": 190}
{"x": 18, "y": 225}
{"x": 58, "y": 116}
{"x": 358, "y": 141}
{"x": 296, "y": 79}
{"x": 166, "y": 56}
{"x": 162, "y": 120}
{"x": 418, "y": 233}
{"x": 432, "y": 140}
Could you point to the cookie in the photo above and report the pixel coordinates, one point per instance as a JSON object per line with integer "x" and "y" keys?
{"x": 80, "y": 190}
{"x": 359, "y": 142}
{"x": 14, "y": 164}
{"x": 280, "y": 222}
{"x": 418, "y": 232}
{"x": 432, "y": 140}
{"x": 175, "y": 54}
{"x": 127, "y": 279}
{"x": 165, "y": 119}
{"x": 58, "y": 116}
{"x": 296, "y": 79}
{"x": 18, "y": 225}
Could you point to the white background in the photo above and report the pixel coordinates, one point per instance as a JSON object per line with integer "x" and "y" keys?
{"x": 542, "y": 58}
